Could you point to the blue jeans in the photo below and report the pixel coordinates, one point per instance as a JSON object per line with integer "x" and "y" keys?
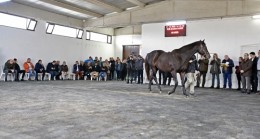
{"x": 31, "y": 73}
{"x": 213, "y": 79}
{"x": 227, "y": 76}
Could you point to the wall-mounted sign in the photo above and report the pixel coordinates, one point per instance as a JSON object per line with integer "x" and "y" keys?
{"x": 175, "y": 30}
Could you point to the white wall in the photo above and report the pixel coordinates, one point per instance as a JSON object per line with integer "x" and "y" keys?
{"x": 21, "y": 44}
{"x": 126, "y": 40}
{"x": 222, "y": 36}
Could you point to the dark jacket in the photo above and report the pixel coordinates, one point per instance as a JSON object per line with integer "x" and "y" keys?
{"x": 215, "y": 66}
{"x": 246, "y": 66}
{"x": 50, "y": 67}
{"x": 193, "y": 66}
{"x": 96, "y": 68}
{"x": 9, "y": 66}
{"x": 112, "y": 65}
{"x": 17, "y": 67}
{"x": 76, "y": 68}
{"x": 118, "y": 66}
{"x": 254, "y": 65}
{"x": 139, "y": 64}
{"x": 38, "y": 67}
{"x": 203, "y": 65}
{"x": 228, "y": 69}
{"x": 64, "y": 68}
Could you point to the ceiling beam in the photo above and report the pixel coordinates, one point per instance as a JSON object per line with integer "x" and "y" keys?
{"x": 105, "y": 5}
{"x": 69, "y": 7}
{"x": 137, "y": 2}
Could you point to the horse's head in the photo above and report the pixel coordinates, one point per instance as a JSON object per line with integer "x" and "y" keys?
{"x": 202, "y": 50}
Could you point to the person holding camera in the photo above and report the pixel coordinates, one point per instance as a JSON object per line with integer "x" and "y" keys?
{"x": 203, "y": 69}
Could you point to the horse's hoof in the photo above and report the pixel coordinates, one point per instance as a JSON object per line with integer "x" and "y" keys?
{"x": 169, "y": 93}
{"x": 160, "y": 92}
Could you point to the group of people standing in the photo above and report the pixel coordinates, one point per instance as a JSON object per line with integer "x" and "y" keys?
{"x": 247, "y": 72}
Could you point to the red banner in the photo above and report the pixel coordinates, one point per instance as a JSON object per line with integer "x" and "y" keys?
{"x": 175, "y": 30}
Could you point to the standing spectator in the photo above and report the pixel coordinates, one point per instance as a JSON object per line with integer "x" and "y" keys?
{"x": 100, "y": 62}
{"x": 51, "y": 68}
{"x": 238, "y": 74}
{"x": 258, "y": 70}
{"x": 124, "y": 70}
{"x": 190, "y": 74}
{"x": 64, "y": 71}
{"x": 112, "y": 68}
{"x": 246, "y": 71}
{"x": 118, "y": 69}
{"x": 10, "y": 68}
{"x": 215, "y": 70}
{"x": 29, "y": 68}
{"x": 254, "y": 81}
{"x": 39, "y": 68}
{"x": 90, "y": 60}
{"x": 19, "y": 71}
{"x": 140, "y": 69}
{"x": 203, "y": 69}
{"x": 227, "y": 65}
{"x": 76, "y": 70}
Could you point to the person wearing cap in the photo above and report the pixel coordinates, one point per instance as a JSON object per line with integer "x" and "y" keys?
{"x": 258, "y": 71}
{"x": 29, "y": 68}
{"x": 19, "y": 71}
{"x": 254, "y": 81}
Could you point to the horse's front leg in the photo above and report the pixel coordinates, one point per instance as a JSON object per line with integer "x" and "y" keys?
{"x": 174, "y": 76}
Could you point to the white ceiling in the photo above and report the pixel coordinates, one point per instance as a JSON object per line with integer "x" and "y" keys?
{"x": 85, "y": 9}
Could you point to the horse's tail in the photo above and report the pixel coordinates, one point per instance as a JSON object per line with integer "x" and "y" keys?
{"x": 147, "y": 68}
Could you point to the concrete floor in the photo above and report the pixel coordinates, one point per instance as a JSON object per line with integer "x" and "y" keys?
{"x": 114, "y": 109}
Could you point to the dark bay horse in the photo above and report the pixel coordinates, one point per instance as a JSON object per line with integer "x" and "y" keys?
{"x": 173, "y": 62}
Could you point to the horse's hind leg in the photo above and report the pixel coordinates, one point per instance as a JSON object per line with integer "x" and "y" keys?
{"x": 174, "y": 76}
{"x": 183, "y": 83}
{"x": 159, "y": 87}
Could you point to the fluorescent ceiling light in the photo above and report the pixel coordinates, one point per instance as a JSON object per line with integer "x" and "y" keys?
{"x": 256, "y": 17}
{"x": 2, "y": 1}
{"x": 178, "y": 22}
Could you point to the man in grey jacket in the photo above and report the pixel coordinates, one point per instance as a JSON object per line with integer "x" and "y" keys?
{"x": 246, "y": 72}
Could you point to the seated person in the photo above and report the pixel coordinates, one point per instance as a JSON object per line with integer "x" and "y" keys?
{"x": 58, "y": 70}
{"x": 10, "y": 68}
{"x": 95, "y": 71}
{"x": 19, "y": 71}
{"x": 51, "y": 68}
{"x": 39, "y": 68}
{"x": 29, "y": 68}
{"x": 103, "y": 73}
{"x": 64, "y": 70}
{"x": 81, "y": 70}
{"x": 76, "y": 70}
{"x": 88, "y": 70}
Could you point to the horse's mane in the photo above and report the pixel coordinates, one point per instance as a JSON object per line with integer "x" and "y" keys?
{"x": 185, "y": 47}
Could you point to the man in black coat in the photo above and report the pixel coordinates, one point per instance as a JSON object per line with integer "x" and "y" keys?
{"x": 19, "y": 71}
{"x": 254, "y": 80}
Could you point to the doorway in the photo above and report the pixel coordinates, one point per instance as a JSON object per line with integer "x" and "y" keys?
{"x": 128, "y": 49}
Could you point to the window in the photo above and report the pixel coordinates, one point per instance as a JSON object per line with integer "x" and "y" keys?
{"x": 17, "y": 22}
{"x": 98, "y": 37}
{"x": 64, "y": 31}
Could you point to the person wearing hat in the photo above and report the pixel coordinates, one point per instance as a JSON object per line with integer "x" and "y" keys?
{"x": 254, "y": 81}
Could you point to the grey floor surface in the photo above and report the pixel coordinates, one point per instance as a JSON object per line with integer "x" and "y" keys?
{"x": 116, "y": 110}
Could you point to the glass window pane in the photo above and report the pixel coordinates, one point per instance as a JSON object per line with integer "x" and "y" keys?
{"x": 98, "y": 37}
{"x": 87, "y": 35}
{"x": 49, "y": 28}
{"x": 32, "y": 25}
{"x": 80, "y": 33}
{"x": 12, "y": 21}
{"x": 65, "y": 31}
{"x": 109, "y": 39}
